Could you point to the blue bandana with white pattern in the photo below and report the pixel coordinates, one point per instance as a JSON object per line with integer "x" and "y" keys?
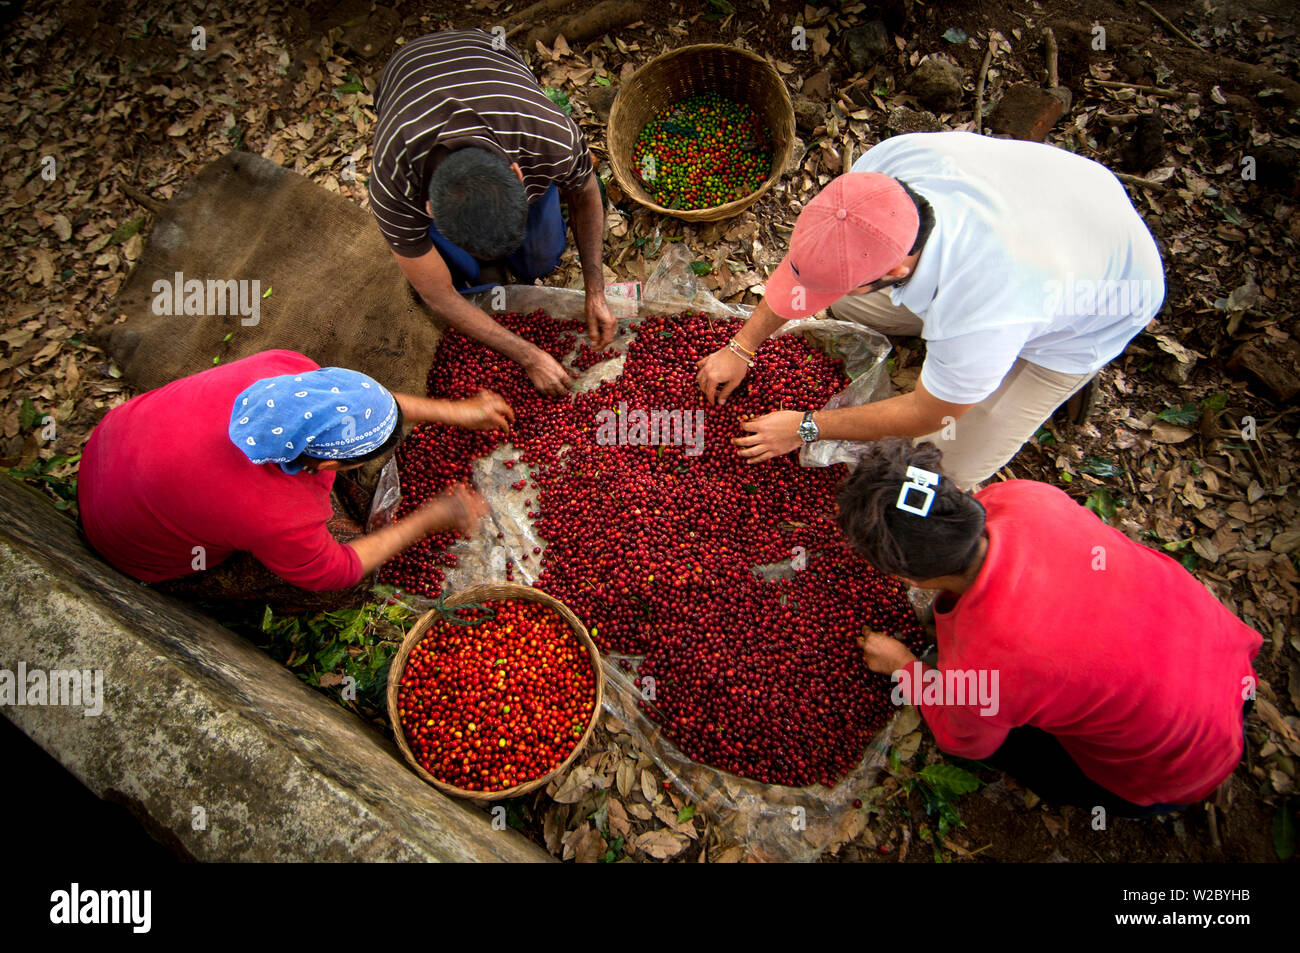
{"x": 331, "y": 413}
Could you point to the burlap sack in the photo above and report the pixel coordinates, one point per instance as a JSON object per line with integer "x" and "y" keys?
{"x": 336, "y": 294}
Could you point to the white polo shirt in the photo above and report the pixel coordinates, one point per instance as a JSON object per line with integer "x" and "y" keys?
{"x": 1036, "y": 253}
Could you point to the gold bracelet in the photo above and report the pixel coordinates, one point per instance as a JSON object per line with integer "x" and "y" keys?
{"x": 735, "y": 349}
{"x": 743, "y": 348}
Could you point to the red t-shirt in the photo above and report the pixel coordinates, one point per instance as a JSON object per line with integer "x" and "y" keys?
{"x": 160, "y": 476}
{"x": 1113, "y": 648}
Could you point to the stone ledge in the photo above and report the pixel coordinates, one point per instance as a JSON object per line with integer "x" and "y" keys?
{"x": 196, "y": 717}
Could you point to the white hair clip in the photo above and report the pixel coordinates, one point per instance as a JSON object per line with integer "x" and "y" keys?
{"x": 918, "y": 481}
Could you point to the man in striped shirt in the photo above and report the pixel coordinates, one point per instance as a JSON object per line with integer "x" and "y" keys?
{"x": 470, "y": 161}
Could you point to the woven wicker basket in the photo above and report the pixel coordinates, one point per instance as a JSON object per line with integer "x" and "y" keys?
{"x": 727, "y": 70}
{"x": 495, "y": 592}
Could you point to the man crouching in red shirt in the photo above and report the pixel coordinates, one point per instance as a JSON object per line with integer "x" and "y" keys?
{"x": 1092, "y": 669}
{"x": 242, "y": 458}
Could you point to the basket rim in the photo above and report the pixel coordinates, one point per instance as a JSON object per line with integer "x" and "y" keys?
{"x": 713, "y": 212}
{"x": 498, "y": 592}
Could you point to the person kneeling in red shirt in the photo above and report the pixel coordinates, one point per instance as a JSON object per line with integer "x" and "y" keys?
{"x": 242, "y": 459}
{"x": 1092, "y": 669}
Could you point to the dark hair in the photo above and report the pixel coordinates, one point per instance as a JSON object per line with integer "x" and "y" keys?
{"x": 926, "y": 213}
{"x": 942, "y": 543}
{"x": 381, "y": 451}
{"x": 478, "y": 203}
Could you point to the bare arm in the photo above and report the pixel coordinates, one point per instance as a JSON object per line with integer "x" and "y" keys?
{"x": 908, "y": 415}
{"x": 459, "y": 509}
{"x": 587, "y": 217}
{"x": 486, "y": 410}
{"x": 429, "y": 276}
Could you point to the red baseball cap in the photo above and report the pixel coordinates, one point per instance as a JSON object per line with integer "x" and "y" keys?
{"x": 851, "y": 233}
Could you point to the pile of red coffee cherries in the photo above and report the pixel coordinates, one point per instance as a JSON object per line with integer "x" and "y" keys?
{"x": 654, "y": 545}
{"x": 490, "y": 705}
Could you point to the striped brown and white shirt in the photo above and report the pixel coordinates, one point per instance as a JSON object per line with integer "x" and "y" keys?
{"x": 447, "y": 90}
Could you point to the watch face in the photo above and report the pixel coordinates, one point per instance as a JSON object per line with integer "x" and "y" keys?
{"x": 808, "y": 431}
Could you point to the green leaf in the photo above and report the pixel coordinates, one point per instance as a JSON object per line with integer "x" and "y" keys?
{"x": 1284, "y": 832}
{"x": 1067, "y": 477}
{"x": 227, "y": 337}
{"x": 1184, "y": 415}
{"x": 1044, "y": 437}
{"x": 955, "y": 35}
{"x": 126, "y": 230}
{"x": 685, "y": 814}
{"x": 1101, "y": 502}
{"x": 560, "y": 98}
{"x": 1100, "y": 467}
{"x": 1215, "y": 403}
{"x": 353, "y": 85}
{"x": 267, "y": 292}
{"x": 1189, "y": 561}
{"x": 602, "y": 80}
{"x": 701, "y": 267}
{"x": 949, "y": 781}
{"x": 28, "y": 416}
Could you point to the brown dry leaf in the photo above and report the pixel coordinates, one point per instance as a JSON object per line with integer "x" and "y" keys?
{"x": 619, "y": 825}
{"x": 1240, "y": 511}
{"x": 639, "y": 811}
{"x": 661, "y": 844}
{"x": 624, "y": 778}
{"x": 648, "y": 785}
{"x": 908, "y": 721}
{"x": 62, "y": 227}
{"x": 1054, "y": 827}
{"x": 578, "y": 783}
{"x": 553, "y": 828}
{"x": 907, "y": 747}
{"x": 1273, "y": 718}
{"x": 1225, "y": 538}
{"x": 1169, "y": 433}
{"x": 732, "y": 855}
{"x": 1285, "y": 542}
{"x": 666, "y": 814}
{"x": 17, "y": 337}
{"x": 587, "y": 846}
{"x": 850, "y": 829}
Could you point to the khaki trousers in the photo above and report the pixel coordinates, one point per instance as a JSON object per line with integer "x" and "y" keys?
{"x": 988, "y": 435}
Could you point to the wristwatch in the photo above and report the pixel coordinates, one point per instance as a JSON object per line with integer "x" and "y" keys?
{"x": 808, "y": 431}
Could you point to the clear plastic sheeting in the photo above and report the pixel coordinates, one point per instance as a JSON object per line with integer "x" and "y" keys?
{"x": 864, "y": 353}
{"x": 385, "y": 498}
{"x": 773, "y": 822}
